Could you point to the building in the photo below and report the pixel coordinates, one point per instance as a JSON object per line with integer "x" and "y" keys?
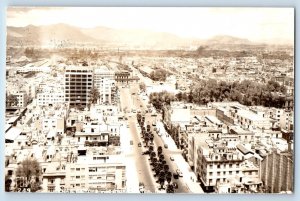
{"x": 50, "y": 95}
{"x": 104, "y": 81}
{"x": 21, "y": 97}
{"x": 96, "y": 172}
{"x": 277, "y": 172}
{"x": 78, "y": 84}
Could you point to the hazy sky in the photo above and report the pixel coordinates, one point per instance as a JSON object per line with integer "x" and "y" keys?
{"x": 257, "y": 24}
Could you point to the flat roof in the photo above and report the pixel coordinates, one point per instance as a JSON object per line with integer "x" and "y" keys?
{"x": 13, "y": 133}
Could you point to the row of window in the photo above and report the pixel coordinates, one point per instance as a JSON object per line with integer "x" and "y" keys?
{"x": 211, "y": 166}
{"x": 224, "y": 173}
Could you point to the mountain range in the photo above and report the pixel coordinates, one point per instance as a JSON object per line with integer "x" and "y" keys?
{"x": 65, "y": 35}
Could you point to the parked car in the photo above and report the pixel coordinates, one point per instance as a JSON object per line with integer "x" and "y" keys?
{"x": 166, "y": 146}
{"x": 139, "y": 144}
{"x": 175, "y": 185}
{"x": 171, "y": 158}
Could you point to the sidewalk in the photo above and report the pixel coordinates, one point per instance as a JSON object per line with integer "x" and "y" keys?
{"x": 132, "y": 183}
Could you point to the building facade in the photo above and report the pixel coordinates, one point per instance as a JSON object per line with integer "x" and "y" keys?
{"x": 78, "y": 84}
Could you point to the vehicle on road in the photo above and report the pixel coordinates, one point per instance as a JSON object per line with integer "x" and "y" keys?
{"x": 153, "y": 124}
{"x": 179, "y": 173}
{"x": 139, "y": 144}
{"x": 141, "y": 187}
{"x": 146, "y": 152}
{"x": 166, "y": 146}
{"x": 175, "y": 185}
{"x": 131, "y": 142}
{"x": 171, "y": 158}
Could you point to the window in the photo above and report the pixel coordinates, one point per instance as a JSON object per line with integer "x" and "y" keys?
{"x": 218, "y": 166}
{"x": 230, "y": 172}
{"x": 50, "y": 188}
{"x": 230, "y": 165}
{"x": 218, "y": 173}
{"x": 77, "y": 177}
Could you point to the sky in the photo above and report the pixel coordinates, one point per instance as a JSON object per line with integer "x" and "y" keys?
{"x": 256, "y": 24}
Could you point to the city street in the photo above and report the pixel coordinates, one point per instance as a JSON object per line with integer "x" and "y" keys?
{"x": 138, "y": 162}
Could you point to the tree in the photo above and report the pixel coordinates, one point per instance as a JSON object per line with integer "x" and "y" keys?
{"x": 170, "y": 189}
{"x": 159, "y": 150}
{"x": 161, "y": 179}
{"x": 94, "y": 95}
{"x": 28, "y": 175}
{"x": 8, "y": 182}
{"x": 169, "y": 177}
{"x": 142, "y": 86}
{"x": 11, "y": 100}
{"x": 151, "y": 138}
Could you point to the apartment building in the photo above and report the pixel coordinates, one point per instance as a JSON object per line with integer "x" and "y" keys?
{"x": 21, "y": 98}
{"x": 50, "y": 95}
{"x": 216, "y": 162}
{"x": 104, "y": 81}
{"x": 78, "y": 84}
{"x": 96, "y": 173}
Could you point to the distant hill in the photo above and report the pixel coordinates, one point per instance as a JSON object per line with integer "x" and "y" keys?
{"x": 225, "y": 39}
{"x": 52, "y": 34}
{"x": 66, "y": 35}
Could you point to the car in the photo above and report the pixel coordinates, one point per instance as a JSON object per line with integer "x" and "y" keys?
{"x": 171, "y": 158}
{"x": 141, "y": 187}
{"x": 176, "y": 176}
{"x": 175, "y": 185}
{"x": 179, "y": 173}
{"x": 166, "y": 146}
{"x": 146, "y": 152}
{"x": 139, "y": 144}
{"x": 153, "y": 124}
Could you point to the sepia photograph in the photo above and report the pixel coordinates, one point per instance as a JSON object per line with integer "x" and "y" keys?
{"x": 184, "y": 100}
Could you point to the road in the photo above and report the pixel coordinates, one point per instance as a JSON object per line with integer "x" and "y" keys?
{"x": 131, "y": 99}
{"x": 138, "y": 162}
{"x": 182, "y": 187}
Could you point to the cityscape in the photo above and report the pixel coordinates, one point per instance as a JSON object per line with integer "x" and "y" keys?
{"x": 143, "y": 100}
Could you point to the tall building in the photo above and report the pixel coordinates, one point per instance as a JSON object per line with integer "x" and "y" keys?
{"x": 277, "y": 172}
{"x": 104, "y": 81}
{"x": 78, "y": 84}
